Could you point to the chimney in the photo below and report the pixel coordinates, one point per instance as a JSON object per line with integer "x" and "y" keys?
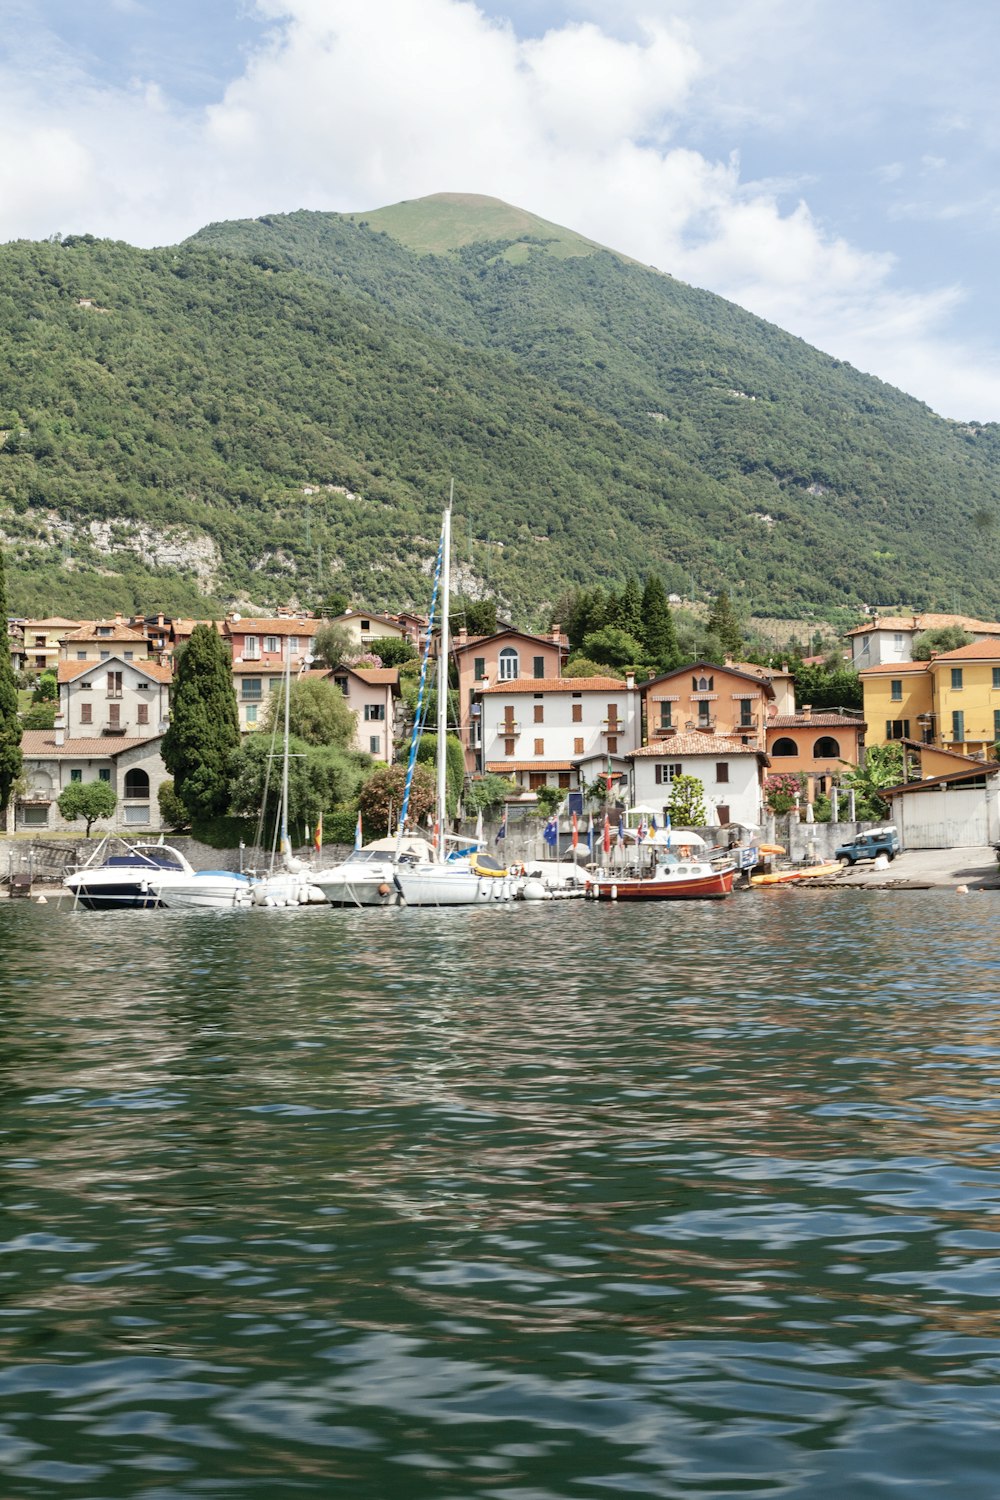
{"x": 556, "y": 631}
{"x": 807, "y": 711}
{"x": 461, "y": 636}
{"x": 630, "y": 681}
{"x": 59, "y": 728}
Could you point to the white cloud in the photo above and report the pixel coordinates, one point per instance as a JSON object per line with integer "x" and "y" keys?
{"x": 350, "y": 106}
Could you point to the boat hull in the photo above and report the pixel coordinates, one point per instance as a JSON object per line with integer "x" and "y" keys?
{"x": 109, "y": 896}
{"x": 451, "y": 888}
{"x": 795, "y": 877}
{"x": 713, "y": 886}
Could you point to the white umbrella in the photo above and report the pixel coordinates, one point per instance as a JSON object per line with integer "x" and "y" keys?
{"x": 678, "y": 837}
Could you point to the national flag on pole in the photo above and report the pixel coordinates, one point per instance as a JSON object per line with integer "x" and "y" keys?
{"x": 576, "y": 832}
{"x": 652, "y": 829}
{"x": 590, "y": 832}
{"x": 640, "y": 832}
{"x": 621, "y": 832}
{"x": 502, "y": 830}
{"x": 318, "y": 835}
{"x": 606, "y": 839}
{"x": 550, "y": 833}
{"x": 666, "y": 821}
{"x": 357, "y": 833}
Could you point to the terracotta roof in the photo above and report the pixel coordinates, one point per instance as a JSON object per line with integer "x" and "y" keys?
{"x": 894, "y": 669}
{"x": 50, "y": 623}
{"x": 185, "y": 627}
{"x": 507, "y": 767}
{"x": 831, "y": 721}
{"x": 754, "y": 669}
{"x": 377, "y": 676}
{"x": 557, "y": 685}
{"x": 272, "y": 627}
{"x": 260, "y": 669}
{"x": 939, "y": 750}
{"x": 106, "y": 630}
{"x": 366, "y": 614}
{"x": 69, "y": 671}
{"x": 926, "y": 622}
{"x": 39, "y": 744}
{"x": 975, "y": 651}
{"x": 679, "y": 745}
{"x": 524, "y": 635}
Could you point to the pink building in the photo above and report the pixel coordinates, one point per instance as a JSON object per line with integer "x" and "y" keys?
{"x": 502, "y": 657}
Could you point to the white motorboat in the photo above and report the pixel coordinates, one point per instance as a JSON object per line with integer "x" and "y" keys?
{"x": 220, "y": 890}
{"x": 365, "y": 878}
{"x": 129, "y": 875}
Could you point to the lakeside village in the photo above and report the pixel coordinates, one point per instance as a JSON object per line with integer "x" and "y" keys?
{"x": 554, "y": 749}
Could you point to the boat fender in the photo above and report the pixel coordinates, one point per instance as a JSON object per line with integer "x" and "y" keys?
{"x": 384, "y": 888}
{"x": 614, "y": 893}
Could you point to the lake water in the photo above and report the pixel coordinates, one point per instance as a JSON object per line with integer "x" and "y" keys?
{"x": 530, "y": 1203}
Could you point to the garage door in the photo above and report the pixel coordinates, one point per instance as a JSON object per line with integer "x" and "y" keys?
{"x": 944, "y": 820}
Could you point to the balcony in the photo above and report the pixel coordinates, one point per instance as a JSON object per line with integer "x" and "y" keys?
{"x": 706, "y": 724}
{"x": 115, "y": 726}
{"x": 507, "y": 727}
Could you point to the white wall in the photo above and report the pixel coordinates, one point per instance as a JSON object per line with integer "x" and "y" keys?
{"x": 741, "y": 794}
{"x": 557, "y": 730}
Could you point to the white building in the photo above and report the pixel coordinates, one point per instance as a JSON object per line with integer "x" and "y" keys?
{"x": 557, "y": 731}
{"x": 889, "y": 640}
{"x": 730, "y": 772}
{"x": 111, "y": 696}
{"x": 372, "y": 695}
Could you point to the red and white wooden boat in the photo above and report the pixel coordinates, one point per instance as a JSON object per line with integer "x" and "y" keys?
{"x": 689, "y": 880}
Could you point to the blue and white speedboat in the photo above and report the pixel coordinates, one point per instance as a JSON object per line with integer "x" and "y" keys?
{"x": 134, "y": 875}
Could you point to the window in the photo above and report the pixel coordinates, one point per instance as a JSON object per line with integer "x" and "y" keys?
{"x": 366, "y": 624}
{"x": 114, "y": 684}
{"x": 478, "y": 668}
{"x": 104, "y": 774}
{"x": 665, "y": 772}
{"x": 866, "y": 646}
{"x": 996, "y": 677}
{"x": 784, "y": 746}
{"x": 136, "y": 813}
{"x": 272, "y": 644}
{"x": 538, "y": 666}
{"x": 539, "y": 713}
{"x": 612, "y": 744}
{"x": 251, "y": 690}
{"x": 722, "y": 770}
{"x": 251, "y": 647}
{"x": 996, "y": 724}
{"x": 142, "y": 713}
{"x": 105, "y": 655}
{"x": 896, "y": 690}
{"x": 956, "y": 679}
{"x": 578, "y": 746}
{"x": 826, "y": 748}
{"x": 897, "y": 729}
{"x": 539, "y": 747}
{"x": 746, "y": 713}
{"x": 374, "y": 711}
{"x": 293, "y": 645}
{"x": 130, "y": 656}
{"x": 40, "y": 641}
{"x": 76, "y": 774}
{"x": 374, "y": 744}
{"x": 508, "y": 747}
{"x": 86, "y": 713}
{"x": 508, "y": 664}
{"x": 104, "y": 630}
{"x": 958, "y": 725}
{"x": 35, "y": 815}
{"x": 114, "y": 715}
{"x": 897, "y": 640}
{"x": 666, "y": 716}
{"x": 702, "y": 684}
{"x": 82, "y": 656}
{"x": 136, "y": 782}
{"x": 704, "y": 715}
{"x": 251, "y": 714}
{"x": 536, "y": 780}
{"x": 577, "y": 713}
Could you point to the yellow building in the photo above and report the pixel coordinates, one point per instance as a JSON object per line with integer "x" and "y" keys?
{"x": 899, "y": 702}
{"x": 952, "y": 701}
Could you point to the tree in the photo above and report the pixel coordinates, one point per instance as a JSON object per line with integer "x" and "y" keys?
{"x": 723, "y": 624}
{"x": 319, "y": 777}
{"x": 204, "y": 733}
{"x": 945, "y": 638}
{"x": 883, "y": 767}
{"x": 626, "y": 609}
{"x": 455, "y": 764}
{"x": 583, "y": 666}
{"x": 487, "y": 792}
{"x": 89, "y": 800}
{"x": 657, "y": 632}
{"x": 687, "y": 802}
{"x": 47, "y": 689}
{"x": 614, "y": 647}
{"x": 333, "y": 605}
{"x": 393, "y": 651}
{"x": 172, "y": 809}
{"x": 10, "y": 724}
{"x": 317, "y": 712}
{"x": 479, "y": 616}
{"x": 331, "y": 644}
{"x": 381, "y": 798}
{"x": 781, "y": 791}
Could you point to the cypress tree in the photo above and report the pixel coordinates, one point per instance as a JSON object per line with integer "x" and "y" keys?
{"x": 658, "y": 634}
{"x": 723, "y": 624}
{"x": 10, "y": 724}
{"x": 204, "y": 732}
{"x": 628, "y": 608}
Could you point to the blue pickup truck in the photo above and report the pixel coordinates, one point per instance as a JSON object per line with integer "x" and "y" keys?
{"x": 870, "y": 845}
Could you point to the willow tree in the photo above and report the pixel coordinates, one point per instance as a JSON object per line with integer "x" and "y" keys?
{"x": 204, "y": 733}
{"x": 10, "y": 725}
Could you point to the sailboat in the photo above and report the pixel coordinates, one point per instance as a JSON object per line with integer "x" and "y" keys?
{"x": 292, "y": 884}
{"x": 442, "y": 880}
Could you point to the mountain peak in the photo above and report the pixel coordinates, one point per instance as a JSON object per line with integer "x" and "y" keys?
{"x": 444, "y": 222}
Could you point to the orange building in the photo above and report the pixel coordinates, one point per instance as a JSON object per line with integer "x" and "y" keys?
{"x": 815, "y": 745}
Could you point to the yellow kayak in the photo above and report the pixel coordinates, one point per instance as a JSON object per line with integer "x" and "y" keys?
{"x": 787, "y": 877}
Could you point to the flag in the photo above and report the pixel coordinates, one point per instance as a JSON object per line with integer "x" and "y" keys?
{"x": 666, "y": 821}
{"x": 640, "y": 832}
{"x": 357, "y": 833}
{"x": 590, "y": 832}
{"x": 318, "y": 835}
{"x": 652, "y": 829}
{"x": 550, "y": 833}
{"x": 502, "y": 830}
{"x": 621, "y": 832}
{"x": 606, "y": 840}
{"x": 576, "y": 832}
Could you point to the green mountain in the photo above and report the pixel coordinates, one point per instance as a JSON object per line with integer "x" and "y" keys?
{"x": 275, "y": 409}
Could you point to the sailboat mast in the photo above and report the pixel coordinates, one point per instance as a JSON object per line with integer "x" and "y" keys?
{"x": 442, "y": 703}
{"x": 285, "y": 846}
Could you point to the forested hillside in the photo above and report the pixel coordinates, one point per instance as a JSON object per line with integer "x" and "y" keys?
{"x": 275, "y": 409}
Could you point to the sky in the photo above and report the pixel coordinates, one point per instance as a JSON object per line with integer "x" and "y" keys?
{"x": 831, "y": 165}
